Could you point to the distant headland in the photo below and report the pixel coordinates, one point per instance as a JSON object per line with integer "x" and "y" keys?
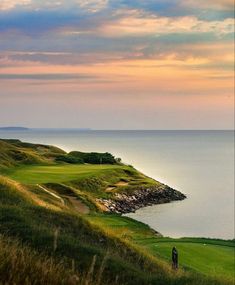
{"x": 13, "y": 129}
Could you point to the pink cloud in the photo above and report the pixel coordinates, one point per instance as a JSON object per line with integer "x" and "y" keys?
{"x": 10, "y": 4}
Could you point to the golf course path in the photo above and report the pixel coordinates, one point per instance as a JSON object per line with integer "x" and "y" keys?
{"x": 51, "y": 193}
{"x": 78, "y": 205}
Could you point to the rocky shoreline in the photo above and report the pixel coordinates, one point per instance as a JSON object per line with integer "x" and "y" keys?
{"x": 128, "y": 203}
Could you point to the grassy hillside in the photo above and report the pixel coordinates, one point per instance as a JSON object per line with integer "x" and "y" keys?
{"x": 20, "y": 264}
{"x": 16, "y": 153}
{"x": 49, "y": 218}
{"x": 68, "y": 172}
{"x": 211, "y": 257}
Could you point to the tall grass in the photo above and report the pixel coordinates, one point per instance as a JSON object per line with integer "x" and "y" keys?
{"x": 22, "y": 265}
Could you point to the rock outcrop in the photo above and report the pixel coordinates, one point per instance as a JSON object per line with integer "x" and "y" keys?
{"x": 141, "y": 197}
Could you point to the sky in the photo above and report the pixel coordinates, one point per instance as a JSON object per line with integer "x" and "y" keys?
{"x": 117, "y": 64}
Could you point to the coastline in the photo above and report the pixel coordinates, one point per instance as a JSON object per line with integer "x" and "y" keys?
{"x": 39, "y": 189}
{"x": 128, "y": 203}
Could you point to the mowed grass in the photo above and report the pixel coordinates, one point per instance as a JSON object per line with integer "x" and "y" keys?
{"x": 58, "y": 173}
{"x": 214, "y": 258}
{"x": 211, "y": 259}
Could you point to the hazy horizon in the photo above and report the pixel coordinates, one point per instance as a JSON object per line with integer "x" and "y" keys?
{"x": 100, "y": 129}
{"x": 121, "y": 64}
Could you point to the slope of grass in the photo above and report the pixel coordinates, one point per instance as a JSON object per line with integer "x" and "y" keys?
{"x": 87, "y": 182}
{"x": 103, "y": 248}
{"x": 16, "y": 153}
{"x": 214, "y": 258}
{"x": 81, "y": 239}
{"x": 76, "y": 240}
{"x": 22, "y": 265}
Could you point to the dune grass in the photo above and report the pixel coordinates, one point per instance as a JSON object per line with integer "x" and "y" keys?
{"x": 20, "y": 264}
{"x": 16, "y": 153}
{"x": 76, "y": 240}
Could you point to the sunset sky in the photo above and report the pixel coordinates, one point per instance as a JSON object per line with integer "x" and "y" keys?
{"x": 117, "y": 64}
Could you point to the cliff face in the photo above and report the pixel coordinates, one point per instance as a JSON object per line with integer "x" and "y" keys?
{"x": 141, "y": 197}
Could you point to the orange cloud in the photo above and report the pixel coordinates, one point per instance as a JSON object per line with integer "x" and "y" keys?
{"x": 142, "y": 24}
{"x": 10, "y": 4}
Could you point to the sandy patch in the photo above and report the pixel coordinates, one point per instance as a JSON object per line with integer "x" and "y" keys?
{"x": 78, "y": 205}
{"x": 122, "y": 183}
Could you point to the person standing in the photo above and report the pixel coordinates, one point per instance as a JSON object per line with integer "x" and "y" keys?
{"x": 174, "y": 258}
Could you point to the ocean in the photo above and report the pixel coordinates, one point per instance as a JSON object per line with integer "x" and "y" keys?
{"x": 198, "y": 163}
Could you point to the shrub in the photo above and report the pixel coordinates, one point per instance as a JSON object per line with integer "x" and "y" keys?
{"x": 94, "y": 157}
{"x": 69, "y": 159}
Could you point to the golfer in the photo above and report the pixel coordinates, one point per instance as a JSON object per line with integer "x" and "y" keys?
{"x": 174, "y": 258}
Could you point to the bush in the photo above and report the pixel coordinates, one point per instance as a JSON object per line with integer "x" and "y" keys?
{"x": 94, "y": 157}
{"x": 69, "y": 159}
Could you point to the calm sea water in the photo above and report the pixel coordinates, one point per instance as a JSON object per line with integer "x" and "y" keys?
{"x": 198, "y": 163}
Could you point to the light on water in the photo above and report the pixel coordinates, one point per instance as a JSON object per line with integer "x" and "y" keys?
{"x": 198, "y": 163}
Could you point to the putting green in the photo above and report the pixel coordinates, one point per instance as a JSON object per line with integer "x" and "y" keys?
{"x": 57, "y": 173}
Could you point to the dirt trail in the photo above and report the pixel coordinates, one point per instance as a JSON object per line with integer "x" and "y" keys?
{"x": 77, "y": 204}
{"x": 122, "y": 183}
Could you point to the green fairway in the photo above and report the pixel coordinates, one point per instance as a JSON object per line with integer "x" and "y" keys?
{"x": 58, "y": 173}
{"x": 212, "y": 257}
